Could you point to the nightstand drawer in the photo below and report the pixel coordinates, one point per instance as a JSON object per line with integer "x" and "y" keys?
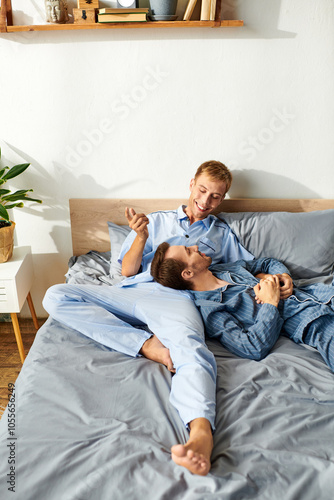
{"x": 8, "y": 296}
{"x": 16, "y": 277}
{"x": 3, "y": 292}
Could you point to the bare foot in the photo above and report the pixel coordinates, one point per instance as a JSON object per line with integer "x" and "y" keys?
{"x": 195, "y": 462}
{"x": 195, "y": 455}
{"x": 153, "y": 349}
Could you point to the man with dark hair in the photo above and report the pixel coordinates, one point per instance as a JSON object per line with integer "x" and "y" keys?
{"x": 243, "y": 304}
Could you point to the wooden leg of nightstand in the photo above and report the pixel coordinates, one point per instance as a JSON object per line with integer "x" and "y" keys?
{"x": 17, "y": 332}
{"x": 32, "y": 311}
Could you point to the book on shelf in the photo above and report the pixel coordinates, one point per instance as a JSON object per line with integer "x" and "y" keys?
{"x": 213, "y": 10}
{"x": 126, "y": 16}
{"x": 205, "y": 10}
{"x": 137, "y": 10}
{"x": 189, "y": 10}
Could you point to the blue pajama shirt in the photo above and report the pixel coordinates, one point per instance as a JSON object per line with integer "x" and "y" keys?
{"x": 118, "y": 316}
{"x": 250, "y": 330}
{"x": 213, "y": 237}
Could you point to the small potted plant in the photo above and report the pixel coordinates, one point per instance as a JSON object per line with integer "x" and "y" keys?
{"x": 10, "y": 200}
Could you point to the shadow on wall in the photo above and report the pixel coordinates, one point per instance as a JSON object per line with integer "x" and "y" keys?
{"x": 63, "y": 183}
{"x": 56, "y": 188}
{"x": 261, "y": 19}
{"x": 259, "y": 184}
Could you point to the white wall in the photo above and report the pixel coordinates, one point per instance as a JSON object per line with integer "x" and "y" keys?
{"x": 132, "y": 113}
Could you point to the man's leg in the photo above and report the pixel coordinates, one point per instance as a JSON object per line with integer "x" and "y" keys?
{"x": 95, "y": 311}
{"x": 320, "y": 334}
{"x": 178, "y": 325}
{"x": 101, "y": 313}
{"x": 174, "y": 319}
{"x": 195, "y": 455}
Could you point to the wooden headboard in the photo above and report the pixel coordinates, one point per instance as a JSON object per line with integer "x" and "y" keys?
{"x": 89, "y": 217}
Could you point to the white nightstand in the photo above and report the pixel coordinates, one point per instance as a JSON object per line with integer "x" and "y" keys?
{"x": 16, "y": 278}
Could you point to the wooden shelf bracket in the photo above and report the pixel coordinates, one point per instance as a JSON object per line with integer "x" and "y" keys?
{"x": 6, "y": 16}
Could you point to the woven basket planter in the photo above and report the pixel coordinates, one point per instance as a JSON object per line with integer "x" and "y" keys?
{"x": 6, "y": 242}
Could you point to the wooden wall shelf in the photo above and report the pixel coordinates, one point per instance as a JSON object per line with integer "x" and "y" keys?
{"x": 6, "y": 23}
{"x": 97, "y": 26}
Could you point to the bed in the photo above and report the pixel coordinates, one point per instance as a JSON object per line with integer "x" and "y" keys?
{"x": 88, "y": 423}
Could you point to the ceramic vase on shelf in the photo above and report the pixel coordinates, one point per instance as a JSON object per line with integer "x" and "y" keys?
{"x": 163, "y": 10}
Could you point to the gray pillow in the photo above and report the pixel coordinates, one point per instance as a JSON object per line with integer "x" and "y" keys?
{"x": 117, "y": 236}
{"x": 304, "y": 242}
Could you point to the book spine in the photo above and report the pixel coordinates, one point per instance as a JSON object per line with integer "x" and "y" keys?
{"x": 189, "y": 10}
{"x": 205, "y": 10}
{"x": 213, "y": 10}
{"x": 105, "y": 18}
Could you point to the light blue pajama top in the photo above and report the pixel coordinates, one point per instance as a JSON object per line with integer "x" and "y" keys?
{"x": 213, "y": 237}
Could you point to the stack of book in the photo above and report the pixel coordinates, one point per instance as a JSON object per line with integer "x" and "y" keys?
{"x": 122, "y": 15}
{"x": 208, "y": 10}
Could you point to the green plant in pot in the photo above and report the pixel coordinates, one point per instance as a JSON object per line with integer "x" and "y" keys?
{"x": 8, "y": 200}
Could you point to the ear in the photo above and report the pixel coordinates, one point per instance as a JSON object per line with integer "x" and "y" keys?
{"x": 187, "y": 274}
{"x": 192, "y": 183}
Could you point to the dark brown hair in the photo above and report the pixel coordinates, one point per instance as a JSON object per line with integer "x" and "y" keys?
{"x": 168, "y": 272}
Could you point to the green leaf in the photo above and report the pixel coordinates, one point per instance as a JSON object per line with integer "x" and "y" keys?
{"x": 13, "y": 205}
{"x": 32, "y": 199}
{"x": 16, "y": 170}
{"x": 19, "y": 195}
{"x": 3, "y": 213}
{"x": 2, "y": 171}
{"x": 4, "y": 191}
{"x": 19, "y": 192}
{"x": 14, "y": 197}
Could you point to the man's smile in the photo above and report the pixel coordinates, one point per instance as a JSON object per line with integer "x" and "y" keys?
{"x": 202, "y": 209}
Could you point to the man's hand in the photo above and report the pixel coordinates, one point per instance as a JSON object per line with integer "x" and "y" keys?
{"x": 286, "y": 283}
{"x": 137, "y": 222}
{"x": 268, "y": 290}
{"x": 132, "y": 259}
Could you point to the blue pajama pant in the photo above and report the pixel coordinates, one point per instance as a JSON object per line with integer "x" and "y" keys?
{"x": 318, "y": 332}
{"x": 117, "y": 317}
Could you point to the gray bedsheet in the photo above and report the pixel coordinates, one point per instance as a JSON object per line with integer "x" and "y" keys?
{"x": 94, "y": 424}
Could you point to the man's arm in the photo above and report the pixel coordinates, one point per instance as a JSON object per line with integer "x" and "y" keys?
{"x": 256, "y": 341}
{"x": 263, "y": 268}
{"x": 132, "y": 259}
{"x": 266, "y": 266}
